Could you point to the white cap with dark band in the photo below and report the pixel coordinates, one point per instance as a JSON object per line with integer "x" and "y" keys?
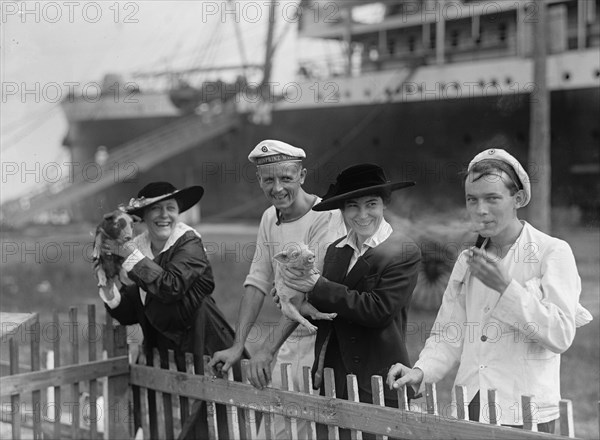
{"x": 504, "y": 156}
{"x": 271, "y": 151}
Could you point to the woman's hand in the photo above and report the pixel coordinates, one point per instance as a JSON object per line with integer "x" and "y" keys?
{"x": 113, "y": 247}
{"x": 301, "y": 282}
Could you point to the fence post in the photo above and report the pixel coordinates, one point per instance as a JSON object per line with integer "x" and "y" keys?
{"x": 330, "y": 391}
{"x": 15, "y": 399}
{"x": 378, "y": 398}
{"x": 352, "y": 386}
{"x": 462, "y": 407}
{"x": 56, "y": 363}
{"x": 291, "y": 425}
{"x": 566, "y": 418}
{"x": 528, "y": 423}
{"x": 36, "y": 396}
{"x": 431, "y": 398}
{"x": 74, "y": 342}
{"x": 492, "y": 407}
{"x": 118, "y": 386}
{"x": 311, "y": 429}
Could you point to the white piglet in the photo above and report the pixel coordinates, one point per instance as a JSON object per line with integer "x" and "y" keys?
{"x": 293, "y": 303}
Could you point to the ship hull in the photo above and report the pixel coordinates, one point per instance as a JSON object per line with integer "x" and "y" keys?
{"x": 429, "y": 142}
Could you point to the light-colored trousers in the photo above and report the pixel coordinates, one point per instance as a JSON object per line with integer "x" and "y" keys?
{"x": 298, "y": 350}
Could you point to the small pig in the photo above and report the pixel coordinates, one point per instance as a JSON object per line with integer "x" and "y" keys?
{"x": 293, "y": 303}
{"x": 117, "y": 225}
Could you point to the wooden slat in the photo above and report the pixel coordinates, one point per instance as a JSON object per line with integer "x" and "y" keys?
{"x": 352, "y": 385}
{"x": 117, "y": 387}
{"x": 57, "y": 394}
{"x": 311, "y": 429}
{"x": 47, "y": 427}
{"x": 287, "y": 384}
{"x": 74, "y": 338}
{"x": 152, "y": 412}
{"x": 528, "y": 423}
{"x": 378, "y": 399}
{"x": 184, "y": 403}
{"x": 329, "y": 384}
{"x": 493, "y": 408}
{"x": 27, "y": 382}
{"x": 233, "y": 422}
{"x": 269, "y": 421}
{"x": 462, "y": 405}
{"x": 567, "y": 428}
{"x": 176, "y": 412}
{"x": 211, "y": 408}
{"x": 431, "y": 398}
{"x": 15, "y": 399}
{"x": 249, "y": 415}
{"x": 168, "y": 407}
{"x": 143, "y": 393}
{"x": 366, "y": 417}
{"x": 93, "y": 383}
{"x": 160, "y": 411}
{"x": 402, "y": 398}
{"x": 36, "y": 396}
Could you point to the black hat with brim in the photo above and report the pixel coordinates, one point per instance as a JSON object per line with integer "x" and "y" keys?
{"x": 358, "y": 181}
{"x": 156, "y": 192}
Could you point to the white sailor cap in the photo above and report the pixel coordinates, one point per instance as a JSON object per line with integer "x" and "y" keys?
{"x": 504, "y": 156}
{"x": 270, "y": 151}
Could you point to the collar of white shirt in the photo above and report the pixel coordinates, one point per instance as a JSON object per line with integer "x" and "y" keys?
{"x": 381, "y": 234}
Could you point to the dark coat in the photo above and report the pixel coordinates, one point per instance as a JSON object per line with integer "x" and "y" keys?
{"x": 368, "y": 335}
{"x": 178, "y": 313}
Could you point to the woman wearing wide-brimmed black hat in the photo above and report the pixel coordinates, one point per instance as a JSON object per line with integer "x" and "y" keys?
{"x": 173, "y": 281}
{"x": 368, "y": 279}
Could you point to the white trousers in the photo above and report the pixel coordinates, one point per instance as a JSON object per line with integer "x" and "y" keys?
{"x": 298, "y": 350}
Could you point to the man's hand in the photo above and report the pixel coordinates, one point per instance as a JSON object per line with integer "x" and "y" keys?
{"x": 275, "y": 298}
{"x": 400, "y": 375}
{"x": 296, "y": 280}
{"x": 113, "y": 247}
{"x": 487, "y": 270}
{"x": 222, "y": 360}
{"x": 259, "y": 370}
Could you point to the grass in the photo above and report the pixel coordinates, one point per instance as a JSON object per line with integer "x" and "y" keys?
{"x": 45, "y": 269}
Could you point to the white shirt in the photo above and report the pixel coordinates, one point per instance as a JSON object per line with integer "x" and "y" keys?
{"x": 382, "y": 233}
{"x": 316, "y": 229}
{"x": 527, "y": 327}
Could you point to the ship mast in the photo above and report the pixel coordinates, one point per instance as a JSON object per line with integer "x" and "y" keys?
{"x": 264, "y": 86}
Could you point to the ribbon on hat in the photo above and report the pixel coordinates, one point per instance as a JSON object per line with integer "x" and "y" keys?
{"x": 276, "y": 158}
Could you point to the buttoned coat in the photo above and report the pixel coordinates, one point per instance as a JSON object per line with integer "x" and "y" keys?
{"x": 177, "y": 282}
{"x": 371, "y": 301}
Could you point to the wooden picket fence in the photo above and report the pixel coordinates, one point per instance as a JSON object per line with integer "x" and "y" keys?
{"x": 48, "y": 401}
{"x": 143, "y": 399}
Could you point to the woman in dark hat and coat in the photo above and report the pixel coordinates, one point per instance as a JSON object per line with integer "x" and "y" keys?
{"x": 172, "y": 280}
{"x": 368, "y": 279}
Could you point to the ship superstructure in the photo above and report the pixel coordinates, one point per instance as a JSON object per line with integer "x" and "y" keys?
{"x": 419, "y": 87}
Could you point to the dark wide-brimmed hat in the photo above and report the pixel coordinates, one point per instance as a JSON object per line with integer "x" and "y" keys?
{"x": 158, "y": 191}
{"x": 358, "y": 181}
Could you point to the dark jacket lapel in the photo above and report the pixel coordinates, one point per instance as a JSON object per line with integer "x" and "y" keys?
{"x": 359, "y": 270}
{"x": 337, "y": 266}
